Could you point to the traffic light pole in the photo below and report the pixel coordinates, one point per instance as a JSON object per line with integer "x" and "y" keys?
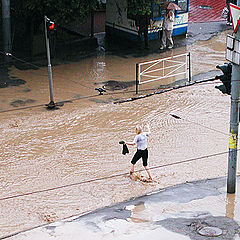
{"x": 51, "y": 103}
{"x": 6, "y": 26}
{"x": 234, "y": 122}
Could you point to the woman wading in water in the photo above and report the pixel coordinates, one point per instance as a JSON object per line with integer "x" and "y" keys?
{"x": 142, "y": 152}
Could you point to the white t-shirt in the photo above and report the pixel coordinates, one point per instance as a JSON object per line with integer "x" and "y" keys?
{"x": 168, "y": 22}
{"x": 141, "y": 140}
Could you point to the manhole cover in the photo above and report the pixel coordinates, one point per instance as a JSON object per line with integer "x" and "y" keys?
{"x": 205, "y": 7}
{"x": 210, "y": 231}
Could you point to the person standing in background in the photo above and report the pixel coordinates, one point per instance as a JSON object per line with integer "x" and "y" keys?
{"x": 167, "y": 30}
{"x": 142, "y": 22}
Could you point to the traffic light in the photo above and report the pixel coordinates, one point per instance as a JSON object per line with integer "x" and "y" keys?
{"x": 226, "y": 68}
{"x": 51, "y": 28}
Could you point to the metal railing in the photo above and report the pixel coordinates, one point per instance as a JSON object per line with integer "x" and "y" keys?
{"x": 163, "y": 68}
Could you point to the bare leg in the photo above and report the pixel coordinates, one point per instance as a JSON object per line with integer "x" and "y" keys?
{"x": 132, "y": 169}
{"x": 149, "y": 175}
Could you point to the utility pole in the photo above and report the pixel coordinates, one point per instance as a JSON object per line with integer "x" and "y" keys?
{"x": 6, "y": 26}
{"x": 92, "y": 23}
{"x": 234, "y": 121}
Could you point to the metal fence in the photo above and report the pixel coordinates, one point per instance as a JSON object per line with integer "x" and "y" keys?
{"x": 179, "y": 65}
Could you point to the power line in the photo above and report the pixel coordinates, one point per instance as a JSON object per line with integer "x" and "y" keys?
{"x": 20, "y": 60}
{"x": 45, "y": 75}
{"x": 177, "y": 117}
{"x": 38, "y": 67}
{"x": 64, "y": 101}
{"x": 112, "y": 176}
{"x": 41, "y": 105}
{"x": 122, "y": 174}
{"x": 151, "y": 168}
{"x": 184, "y": 119}
{"x": 68, "y": 100}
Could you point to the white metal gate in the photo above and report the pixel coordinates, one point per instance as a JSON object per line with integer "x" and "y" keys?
{"x": 163, "y": 68}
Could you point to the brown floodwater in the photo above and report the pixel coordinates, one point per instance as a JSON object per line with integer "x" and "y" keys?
{"x": 71, "y": 146}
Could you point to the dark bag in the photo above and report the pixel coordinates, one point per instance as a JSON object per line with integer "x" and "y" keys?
{"x": 125, "y": 149}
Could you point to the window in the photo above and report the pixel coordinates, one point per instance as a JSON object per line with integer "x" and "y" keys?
{"x": 156, "y": 12}
{"x": 183, "y": 4}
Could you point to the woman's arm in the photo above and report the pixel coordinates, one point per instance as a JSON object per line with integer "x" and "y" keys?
{"x": 171, "y": 16}
{"x": 148, "y": 129}
{"x": 130, "y": 143}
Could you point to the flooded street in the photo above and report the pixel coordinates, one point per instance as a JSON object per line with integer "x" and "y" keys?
{"x": 74, "y": 151}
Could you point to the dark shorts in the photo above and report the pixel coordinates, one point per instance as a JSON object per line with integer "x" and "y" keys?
{"x": 140, "y": 154}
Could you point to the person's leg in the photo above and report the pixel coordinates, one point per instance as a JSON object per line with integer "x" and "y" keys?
{"x": 140, "y": 34}
{"x": 139, "y": 43}
{"x": 146, "y": 38}
{"x": 135, "y": 158}
{"x": 132, "y": 169}
{"x": 163, "y": 40}
{"x": 149, "y": 175}
{"x": 169, "y": 37}
{"x": 145, "y": 158}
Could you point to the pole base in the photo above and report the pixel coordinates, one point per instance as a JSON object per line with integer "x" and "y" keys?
{"x": 51, "y": 105}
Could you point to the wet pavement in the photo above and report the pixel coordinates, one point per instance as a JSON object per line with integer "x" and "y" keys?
{"x": 110, "y": 64}
{"x": 197, "y": 210}
{"x": 56, "y": 164}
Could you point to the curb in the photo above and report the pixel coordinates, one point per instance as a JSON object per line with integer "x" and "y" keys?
{"x": 163, "y": 91}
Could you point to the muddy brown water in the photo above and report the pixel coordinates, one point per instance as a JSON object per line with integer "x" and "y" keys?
{"x": 43, "y": 149}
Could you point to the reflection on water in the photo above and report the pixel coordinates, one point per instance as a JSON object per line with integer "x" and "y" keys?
{"x": 230, "y": 206}
{"x": 137, "y": 211}
{"x": 79, "y": 79}
{"x": 208, "y": 54}
{"x": 43, "y": 149}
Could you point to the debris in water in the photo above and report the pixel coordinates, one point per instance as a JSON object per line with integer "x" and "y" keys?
{"x": 175, "y": 116}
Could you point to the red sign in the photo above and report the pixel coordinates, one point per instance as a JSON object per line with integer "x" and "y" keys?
{"x": 235, "y": 15}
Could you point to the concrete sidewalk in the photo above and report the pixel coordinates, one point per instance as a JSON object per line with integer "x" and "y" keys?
{"x": 192, "y": 210}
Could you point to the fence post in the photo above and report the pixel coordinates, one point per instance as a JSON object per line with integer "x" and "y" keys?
{"x": 137, "y": 78}
{"x": 189, "y": 68}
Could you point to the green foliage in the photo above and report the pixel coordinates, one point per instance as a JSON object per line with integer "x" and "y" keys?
{"x": 61, "y": 11}
{"x": 139, "y": 7}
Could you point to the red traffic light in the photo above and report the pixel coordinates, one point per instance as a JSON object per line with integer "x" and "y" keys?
{"x": 51, "y": 28}
{"x": 51, "y": 25}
